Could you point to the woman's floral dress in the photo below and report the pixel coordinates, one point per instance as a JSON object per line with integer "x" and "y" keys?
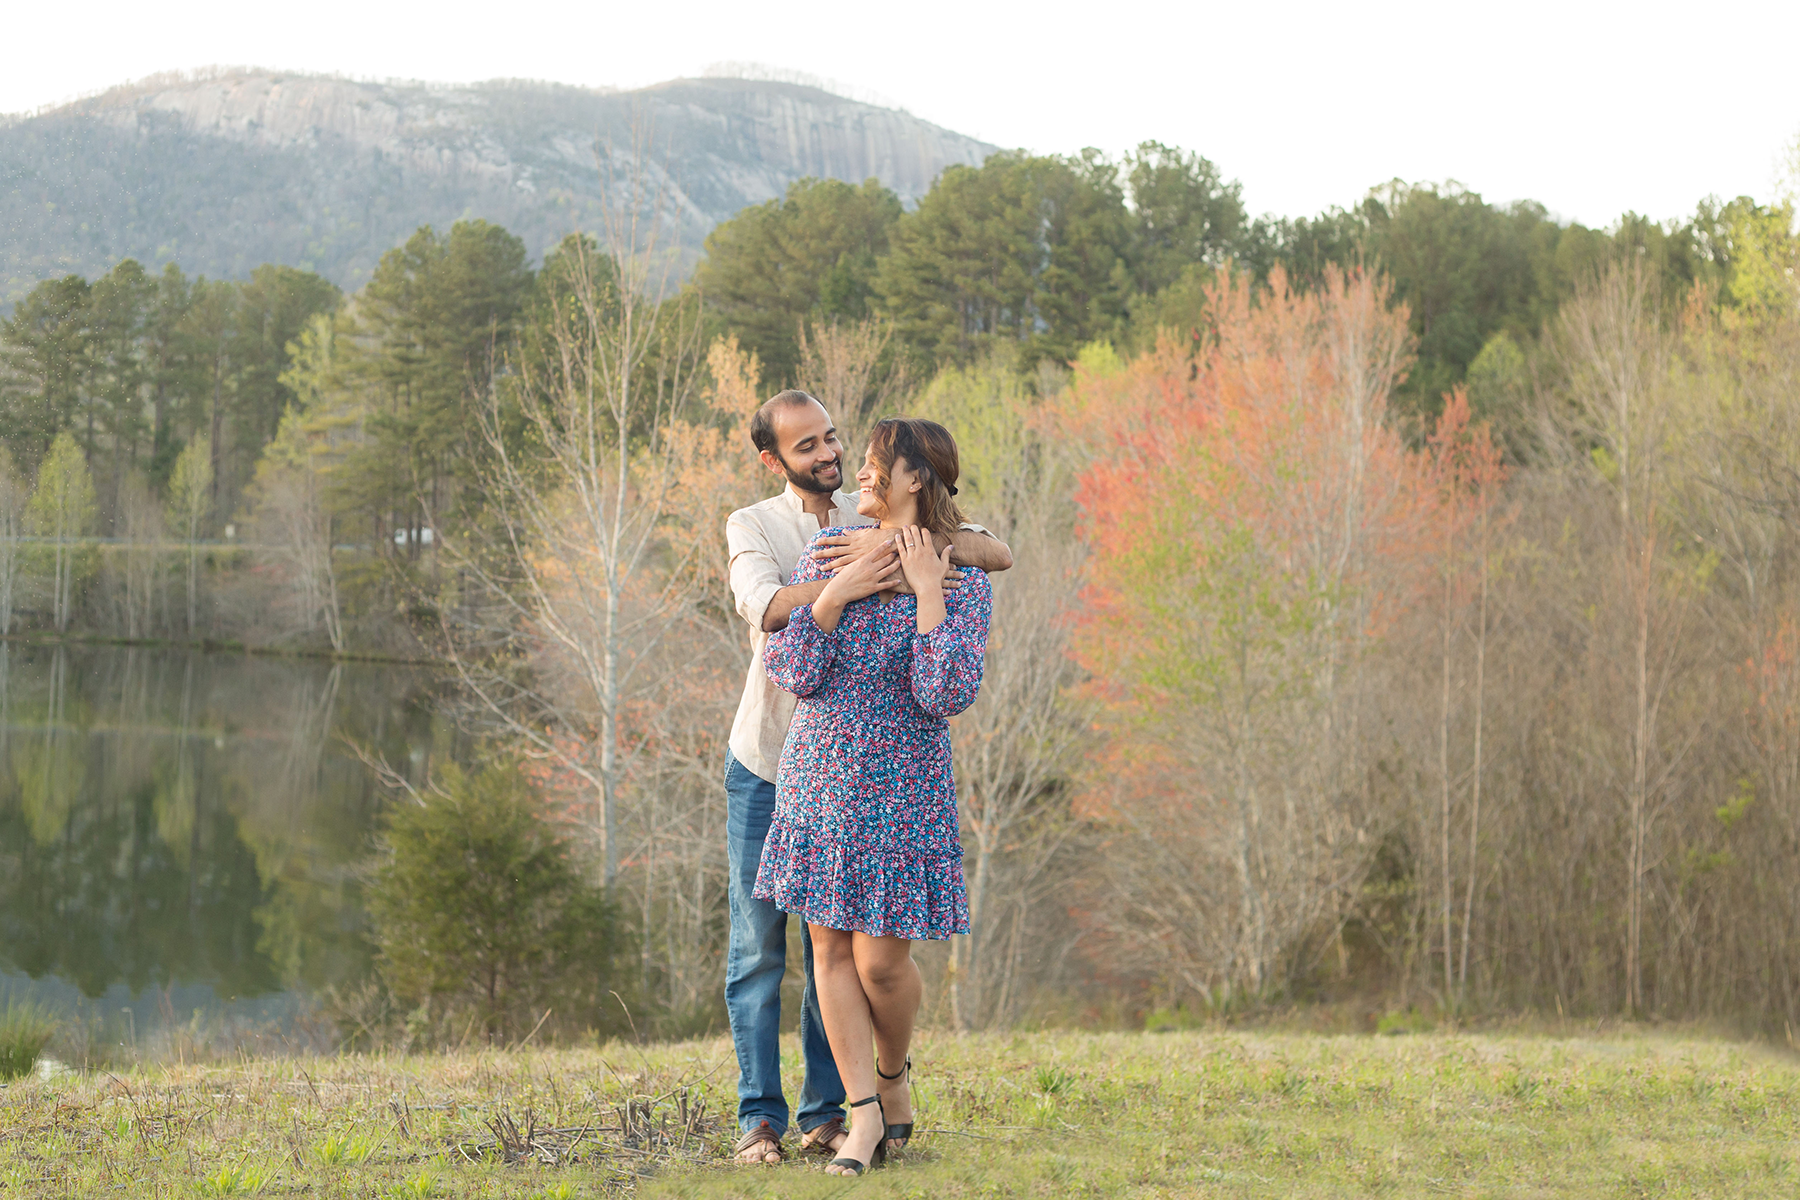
{"x": 865, "y": 833}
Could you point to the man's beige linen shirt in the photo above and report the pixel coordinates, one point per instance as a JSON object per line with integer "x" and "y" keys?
{"x": 765, "y": 542}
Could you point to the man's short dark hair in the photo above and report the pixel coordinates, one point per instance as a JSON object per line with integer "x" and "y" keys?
{"x": 762, "y": 425}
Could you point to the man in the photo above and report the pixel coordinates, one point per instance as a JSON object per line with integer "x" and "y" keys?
{"x": 795, "y": 438}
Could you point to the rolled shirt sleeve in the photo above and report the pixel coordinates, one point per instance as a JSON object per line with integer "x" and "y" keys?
{"x": 755, "y": 575}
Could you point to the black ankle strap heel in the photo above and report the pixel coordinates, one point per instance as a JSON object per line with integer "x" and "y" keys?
{"x": 878, "y": 1156}
{"x": 898, "y": 1133}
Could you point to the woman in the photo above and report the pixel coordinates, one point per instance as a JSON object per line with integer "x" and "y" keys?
{"x": 863, "y": 845}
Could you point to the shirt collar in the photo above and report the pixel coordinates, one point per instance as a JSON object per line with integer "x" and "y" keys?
{"x": 841, "y": 502}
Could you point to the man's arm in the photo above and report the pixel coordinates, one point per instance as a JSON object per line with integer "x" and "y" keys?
{"x": 783, "y": 603}
{"x": 756, "y": 579}
{"x": 974, "y": 547}
{"x": 979, "y": 548}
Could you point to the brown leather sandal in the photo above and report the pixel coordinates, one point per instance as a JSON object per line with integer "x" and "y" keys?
{"x": 817, "y": 1140}
{"x": 764, "y": 1132}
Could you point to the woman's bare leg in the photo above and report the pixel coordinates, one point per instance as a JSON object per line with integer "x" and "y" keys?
{"x": 891, "y": 981}
{"x": 849, "y": 1027}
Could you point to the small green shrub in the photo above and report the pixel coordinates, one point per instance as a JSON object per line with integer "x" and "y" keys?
{"x": 25, "y": 1029}
{"x": 482, "y": 917}
{"x": 1410, "y": 1021}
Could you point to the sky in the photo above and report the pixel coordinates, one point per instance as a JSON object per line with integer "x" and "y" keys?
{"x": 1591, "y": 109}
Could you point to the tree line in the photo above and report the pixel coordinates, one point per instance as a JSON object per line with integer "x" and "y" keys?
{"x": 1462, "y": 537}
{"x": 1052, "y": 253}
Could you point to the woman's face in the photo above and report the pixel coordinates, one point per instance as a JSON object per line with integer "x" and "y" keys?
{"x": 874, "y": 503}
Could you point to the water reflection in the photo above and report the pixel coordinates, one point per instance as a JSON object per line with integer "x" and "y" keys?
{"x": 171, "y": 819}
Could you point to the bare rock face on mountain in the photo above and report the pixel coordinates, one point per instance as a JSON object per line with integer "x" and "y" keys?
{"x": 224, "y": 172}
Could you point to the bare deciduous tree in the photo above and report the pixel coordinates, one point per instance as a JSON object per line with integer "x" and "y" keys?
{"x": 565, "y": 598}
{"x": 191, "y": 494}
{"x": 1018, "y": 748}
{"x": 1617, "y": 410}
{"x": 141, "y": 532}
{"x": 841, "y": 364}
{"x": 295, "y": 528}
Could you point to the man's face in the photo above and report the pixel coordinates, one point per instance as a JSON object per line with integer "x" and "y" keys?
{"x": 809, "y": 453}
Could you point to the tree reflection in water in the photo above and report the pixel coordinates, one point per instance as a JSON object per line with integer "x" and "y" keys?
{"x": 174, "y": 817}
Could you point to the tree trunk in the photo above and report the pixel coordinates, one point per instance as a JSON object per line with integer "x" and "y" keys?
{"x": 1634, "y": 966}
{"x": 1444, "y": 773}
{"x": 1462, "y": 974}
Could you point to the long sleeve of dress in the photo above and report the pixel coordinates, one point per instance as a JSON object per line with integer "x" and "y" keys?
{"x": 947, "y": 662}
{"x": 799, "y": 656}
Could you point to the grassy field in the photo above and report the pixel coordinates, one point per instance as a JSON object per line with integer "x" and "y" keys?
{"x": 1053, "y": 1114}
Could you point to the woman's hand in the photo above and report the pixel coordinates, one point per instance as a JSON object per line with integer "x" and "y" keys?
{"x": 858, "y": 578}
{"x": 925, "y": 569}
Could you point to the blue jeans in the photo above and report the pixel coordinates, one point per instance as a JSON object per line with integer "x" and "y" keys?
{"x": 754, "y": 965}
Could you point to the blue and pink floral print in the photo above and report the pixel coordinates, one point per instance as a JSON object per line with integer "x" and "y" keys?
{"x": 865, "y": 830}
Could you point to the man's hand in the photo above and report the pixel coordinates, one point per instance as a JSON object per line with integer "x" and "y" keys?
{"x": 838, "y": 551}
{"x": 858, "y": 578}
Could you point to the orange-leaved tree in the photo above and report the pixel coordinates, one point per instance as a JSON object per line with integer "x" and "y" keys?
{"x": 1256, "y": 524}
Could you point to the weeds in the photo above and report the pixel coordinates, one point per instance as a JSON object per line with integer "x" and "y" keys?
{"x": 424, "y": 1184}
{"x": 25, "y": 1029}
{"x": 340, "y": 1149}
{"x": 240, "y": 1180}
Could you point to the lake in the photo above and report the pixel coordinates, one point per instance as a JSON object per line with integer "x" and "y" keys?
{"x": 182, "y": 832}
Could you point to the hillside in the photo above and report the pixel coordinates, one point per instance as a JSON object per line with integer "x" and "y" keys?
{"x": 222, "y": 172}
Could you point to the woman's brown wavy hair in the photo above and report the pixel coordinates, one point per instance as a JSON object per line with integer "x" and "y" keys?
{"x": 930, "y": 453}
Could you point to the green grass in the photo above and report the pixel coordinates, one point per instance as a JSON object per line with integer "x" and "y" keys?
{"x": 25, "y": 1029}
{"x": 1226, "y": 1114}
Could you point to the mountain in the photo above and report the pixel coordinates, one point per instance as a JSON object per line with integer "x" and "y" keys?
{"x": 224, "y": 171}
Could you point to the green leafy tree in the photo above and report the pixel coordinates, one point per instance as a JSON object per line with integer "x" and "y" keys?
{"x": 211, "y": 327}
{"x": 1499, "y": 388}
{"x": 1751, "y": 250}
{"x": 275, "y": 304}
{"x": 190, "y": 504}
{"x": 434, "y": 319}
{"x": 44, "y": 348}
{"x": 479, "y": 909}
{"x": 61, "y": 512}
{"x": 810, "y": 256}
{"x": 1464, "y": 269}
{"x": 118, "y": 306}
{"x": 1306, "y": 246}
{"x": 13, "y": 497}
{"x": 1188, "y": 220}
{"x": 1034, "y": 250}
{"x": 296, "y": 509}
{"x": 1186, "y": 214}
{"x": 171, "y": 371}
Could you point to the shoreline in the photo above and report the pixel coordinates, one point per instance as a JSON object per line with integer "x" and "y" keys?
{"x": 215, "y": 646}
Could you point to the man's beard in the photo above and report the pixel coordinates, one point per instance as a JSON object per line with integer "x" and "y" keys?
{"x": 811, "y": 483}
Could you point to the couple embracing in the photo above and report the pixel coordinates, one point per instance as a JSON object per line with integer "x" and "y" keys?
{"x": 869, "y": 620}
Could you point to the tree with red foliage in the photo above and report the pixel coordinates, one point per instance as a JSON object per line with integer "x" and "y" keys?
{"x": 1257, "y": 523}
